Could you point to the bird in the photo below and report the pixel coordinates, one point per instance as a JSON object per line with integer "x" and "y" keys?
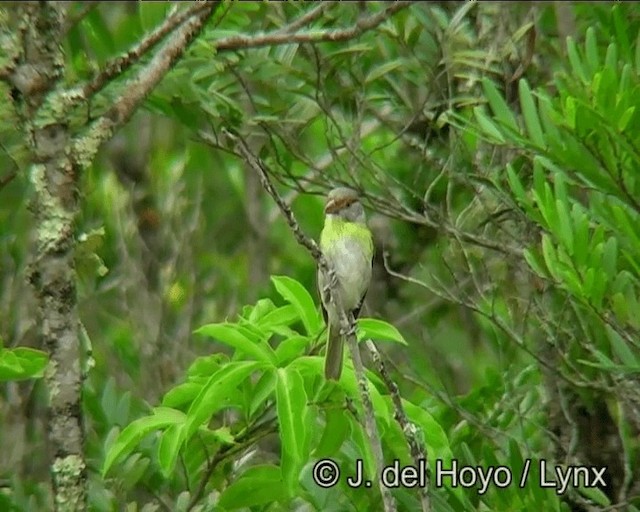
{"x": 347, "y": 246}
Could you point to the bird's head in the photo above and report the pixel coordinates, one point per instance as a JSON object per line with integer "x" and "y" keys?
{"x": 344, "y": 202}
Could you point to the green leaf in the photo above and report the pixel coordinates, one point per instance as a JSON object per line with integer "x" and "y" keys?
{"x": 530, "y": 114}
{"x": 181, "y": 394}
{"x": 378, "y": 330}
{"x": 534, "y": 262}
{"x": 134, "y": 432}
{"x": 296, "y": 294}
{"x": 621, "y": 349}
{"x": 168, "y": 448}
{"x": 574, "y": 59}
{"x": 336, "y": 431}
{"x": 232, "y": 335}
{"x": 216, "y": 391}
{"x": 382, "y": 70}
{"x": 291, "y": 404}
{"x": 256, "y": 487}
{"x": 499, "y": 106}
{"x": 549, "y": 254}
{"x": 489, "y": 128}
{"x": 291, "y": 348}
{"x": 22, "y": 363}
{"x": 435, "y": 440}
{"x": 279, "y": 317}
{"x": 591, "y": 46}
{"x": 516, "y": 186}
{"x": 152, "y": 14}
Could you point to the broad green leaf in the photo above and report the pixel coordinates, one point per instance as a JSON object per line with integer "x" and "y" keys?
{"x": 232, "y": 335}
{"x": 435, "y": 440}
{"x": 168, "y": 448}
{"x": 530, "y": 114}
{"x": 296, "y": 294}
{"x": 291, "y": 405}
{"x": 216, "y": 391}
{"x": 181, "y": 394}
{"x": 134, "y": 432}
{"x": 282, "y": 316}
{"x": 262, "y": 390}
{"x": 22, "y": 363}
{"x": 291, "y": 348}
{"x": 258, "y": 486}
{"x": 336, "y": 431}
{"x": 371, "y": 328}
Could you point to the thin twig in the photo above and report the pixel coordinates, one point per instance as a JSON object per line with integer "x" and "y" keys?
{"x": 305, "y": 19}
{"x": 281, "y": 36}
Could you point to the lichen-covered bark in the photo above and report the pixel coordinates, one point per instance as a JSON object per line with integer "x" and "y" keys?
{"x": 35, "y": 71}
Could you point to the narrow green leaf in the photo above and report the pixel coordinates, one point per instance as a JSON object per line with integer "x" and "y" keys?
{"x": 378, "y": 330}
{"x": 499, "y": 106}
{"x": 534, "y": 262}
{"x": 610, "y": 257}
{"x": 297, "y": 295}
{"x": 621, "y": 349}
{"x": 516, "y": 186}
{"x": 549, "y": 254}
{"x": 488, "y": 127}
{"x": 383, "y": 69}
{"x": 574, "y": 59}
{"x": 232, "y": 335}
{"x": 530, "y": 114}
{"x": 591, "y": 46}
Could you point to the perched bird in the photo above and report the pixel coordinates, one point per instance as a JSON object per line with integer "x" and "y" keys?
{"x": 347, "y": 245}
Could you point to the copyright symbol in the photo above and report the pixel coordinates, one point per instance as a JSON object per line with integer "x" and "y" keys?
{"x": 326, "y": 473}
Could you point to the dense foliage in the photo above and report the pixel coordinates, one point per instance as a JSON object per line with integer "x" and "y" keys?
{"x": 497, "y": 152}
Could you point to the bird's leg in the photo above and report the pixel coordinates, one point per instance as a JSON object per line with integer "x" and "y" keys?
{"x": 352, "y": 324}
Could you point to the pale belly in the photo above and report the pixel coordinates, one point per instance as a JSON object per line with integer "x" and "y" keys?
{"x": 353, "y": 271}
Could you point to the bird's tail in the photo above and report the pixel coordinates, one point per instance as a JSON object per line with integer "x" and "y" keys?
{"x": 333, "y": 359}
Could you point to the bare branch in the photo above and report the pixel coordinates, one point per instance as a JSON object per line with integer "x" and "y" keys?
{"x": 119, "y": 65}
{"x": 305, "y": 19}
{"x": 86, "y": 146}
{"x": 282, "y": 36}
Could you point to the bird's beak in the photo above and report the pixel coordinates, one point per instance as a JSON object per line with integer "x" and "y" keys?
{"x": 330, "y": 207}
